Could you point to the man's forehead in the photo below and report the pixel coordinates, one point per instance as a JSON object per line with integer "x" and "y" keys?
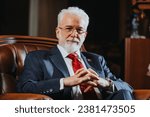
{"x": 73, "y": 20}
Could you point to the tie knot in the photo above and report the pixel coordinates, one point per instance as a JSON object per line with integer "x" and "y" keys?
{"x": 73, "y": 56}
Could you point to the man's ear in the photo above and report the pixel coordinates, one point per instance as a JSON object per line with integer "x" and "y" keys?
{"x": 57, "y": 32}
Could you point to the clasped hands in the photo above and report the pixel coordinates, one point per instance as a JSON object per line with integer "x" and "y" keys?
{"x": 86, "y": 77}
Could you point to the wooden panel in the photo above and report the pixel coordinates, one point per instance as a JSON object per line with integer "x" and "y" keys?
{"x": 141, "y": 4}
{"x": 144, "y": 6}
{"x": 137, "y": 59}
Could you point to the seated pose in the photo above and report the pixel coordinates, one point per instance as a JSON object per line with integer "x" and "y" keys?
{"x": 65, "y": 73}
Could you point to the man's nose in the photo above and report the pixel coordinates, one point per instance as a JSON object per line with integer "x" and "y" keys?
{"x": 74, "y": 32}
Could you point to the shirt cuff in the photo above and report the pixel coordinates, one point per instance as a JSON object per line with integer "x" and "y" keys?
{"x": 111, "y": 85}
{"x": 61, "y": 83}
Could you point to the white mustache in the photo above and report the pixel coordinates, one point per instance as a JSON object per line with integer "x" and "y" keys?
{"x": 73, "y": 40}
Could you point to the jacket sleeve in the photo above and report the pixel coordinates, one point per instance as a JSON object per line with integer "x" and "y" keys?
{"x": 119, "y": 84}
{"x": 35, "y": 79}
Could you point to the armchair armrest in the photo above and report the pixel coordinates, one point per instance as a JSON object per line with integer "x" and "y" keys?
{"x": 24, "y": 96}
{"x": 142, "y": 94}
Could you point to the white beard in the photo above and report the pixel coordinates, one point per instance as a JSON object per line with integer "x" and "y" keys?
{"x": 71, "y": 45}
{"x": 70, "y": 48}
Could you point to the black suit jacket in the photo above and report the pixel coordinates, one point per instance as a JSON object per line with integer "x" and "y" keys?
{"x": 43, "y": 70}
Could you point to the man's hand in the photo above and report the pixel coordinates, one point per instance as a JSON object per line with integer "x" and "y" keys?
{"x": 80, "y": 77}
{"x": 100, "y": 82}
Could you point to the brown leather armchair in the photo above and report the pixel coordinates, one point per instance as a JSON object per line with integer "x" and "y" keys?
{"x": 13, "y": 50}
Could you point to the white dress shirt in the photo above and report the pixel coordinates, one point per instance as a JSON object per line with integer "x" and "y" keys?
{"x": 76, "y": 92}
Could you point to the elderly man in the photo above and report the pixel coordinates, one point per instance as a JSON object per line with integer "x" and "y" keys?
{"x": 64, "y": 72}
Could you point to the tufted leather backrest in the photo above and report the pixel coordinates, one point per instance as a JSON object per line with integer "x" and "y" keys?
{"x": 13, "y": 50}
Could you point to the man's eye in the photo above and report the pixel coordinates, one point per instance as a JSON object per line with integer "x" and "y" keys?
{"x": 68, "y": 29}
{"x": 80, "y": 30}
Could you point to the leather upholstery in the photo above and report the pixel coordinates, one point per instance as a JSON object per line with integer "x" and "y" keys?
{"x": 142, "y": 94}
{"x": 13, "y": 50}
{"x": 23, "y": 96}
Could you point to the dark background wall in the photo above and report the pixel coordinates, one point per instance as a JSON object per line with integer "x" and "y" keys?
{"x": 103, "y": 21}
{"x": 103, "y": 18}
{"x": 14, "y": 16}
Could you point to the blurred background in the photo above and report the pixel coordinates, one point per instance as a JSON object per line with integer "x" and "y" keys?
{"x": 111, "y": 21}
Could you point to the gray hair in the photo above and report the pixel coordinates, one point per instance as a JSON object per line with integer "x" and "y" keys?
{"x": 73, "y": 10}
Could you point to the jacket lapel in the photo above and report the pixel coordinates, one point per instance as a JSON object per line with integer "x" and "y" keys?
{"x": 58, "y": 61}
{"x": 91, "y": 63}
{"x": 86, "y": 61}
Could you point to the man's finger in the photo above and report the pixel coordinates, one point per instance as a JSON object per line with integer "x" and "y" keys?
{"x": 92, "y": 83}
{"x": 92, "y": 71}
{"x": 93, "y": 76}
{"x": 81, "y": 72}
{"x": 87, "y": 89}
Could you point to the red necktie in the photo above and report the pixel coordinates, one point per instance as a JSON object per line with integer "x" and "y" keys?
{"x": 76, "y": 64}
